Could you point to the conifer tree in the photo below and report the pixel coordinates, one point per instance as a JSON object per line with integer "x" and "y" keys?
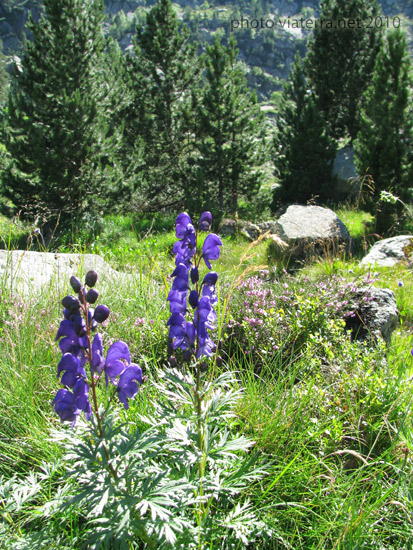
{"x": 4, "y": 81}
{"x": 57, "y": 130}
{"x": 229, "y": 128}
{"x": 384, "y": 146}
{"x": 162, "y": 73}
{"x": 304, "y": 153}
{"x": 340, "y": 61}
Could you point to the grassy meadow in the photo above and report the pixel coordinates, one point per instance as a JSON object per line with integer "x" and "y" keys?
{"x": 332, "y": 414}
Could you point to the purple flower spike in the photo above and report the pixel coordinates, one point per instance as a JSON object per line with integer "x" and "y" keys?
{"x": 128, "y": 384}
{"x": 205, "y": 221}
{"x": 210, "y": 249}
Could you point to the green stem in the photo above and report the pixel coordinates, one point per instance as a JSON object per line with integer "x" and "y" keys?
{"x": 93, "y": 383}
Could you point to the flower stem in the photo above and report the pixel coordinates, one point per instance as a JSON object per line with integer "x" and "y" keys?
{"x": 93, "y": 388}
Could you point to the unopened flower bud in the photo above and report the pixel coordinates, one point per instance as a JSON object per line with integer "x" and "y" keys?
{"x": 91, "y": 278}
{"x": 186, "y": 355}
{"x": 172, "y": 361}
{"x": 203, "y": 366}
{"x": 194, "y": 275}
{"x": 219, "y": 361}
{"x": 92, "y": 295}
{"x": 69, "y": 302}
{"x": 101, "y": 313}
{"x": 193, "y": 299}
{"x": 75, "y": 284}
{"x": 170, "y": 348}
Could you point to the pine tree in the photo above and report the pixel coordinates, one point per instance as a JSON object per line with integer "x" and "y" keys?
{"x": 304, "y": 153}
{"x": 57, "y": 130}
{"x": 4, "y": 81}
{"x": 229, "y": 129}
{"x": 340, "y": 61}
{"x": 162, "y": 73}
{"x": 384, "y": 146}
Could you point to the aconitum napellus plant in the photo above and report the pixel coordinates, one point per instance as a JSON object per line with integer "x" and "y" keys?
{"x": 187, "y": 332}
{"x": 83, "y": 364}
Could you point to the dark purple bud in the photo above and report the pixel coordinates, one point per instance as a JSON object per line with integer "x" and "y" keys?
{"x": 101, "y": 313}
{"x": 203, "y": 366}
{"x": 194, "y": 275}
{"x": 91, "y": 278}
{"x": 205, "y": 221}
{"x": 75, "y": 283}
{"x": 193, "y": 299}
{"x": 210, "y": 278}
{"x": 170, "y": 348}
{"x": 172, "y": 361}
{"x": 92, "y": 295}
{"x": 79, "y": 326}
{"x": 69, "y": 302}
{"x": 219, "y": 361}
{"x": 187, "y": 355}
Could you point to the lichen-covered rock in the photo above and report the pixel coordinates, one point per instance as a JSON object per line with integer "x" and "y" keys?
{"x": 389, "y": 252}
{"x": 26, "y": 271}
{"x": 227, "y": 228}
{"x": 376, "y": 314}
{"x": 310, "y": 231}
{"x": 250, "y": 230}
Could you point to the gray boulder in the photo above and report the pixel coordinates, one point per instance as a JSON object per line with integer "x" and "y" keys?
{"x": 310, "y": 231}
{"x": 27, "y": 271}
{"x": 388, "y": 252}
{"x": 376, "y": 315}
{"x": 249, "y": 230}
{"x": 227, "y": 228}
{"x": 346, "y": 179}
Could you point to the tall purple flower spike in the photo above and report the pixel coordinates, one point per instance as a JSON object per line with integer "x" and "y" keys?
{"x": 74, "y": 335}
{"x": 192, "y": 336}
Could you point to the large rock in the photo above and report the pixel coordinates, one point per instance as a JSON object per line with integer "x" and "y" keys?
{"x": 389, "y": 252}
{"x": 376, "y": 315}
{"x": 26, "y": 271}
{"x": 347, "y": 181}
{"x": 309, "y": 231}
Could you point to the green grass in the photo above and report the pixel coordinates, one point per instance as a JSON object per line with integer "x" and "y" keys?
{"x": 334, "y": 417}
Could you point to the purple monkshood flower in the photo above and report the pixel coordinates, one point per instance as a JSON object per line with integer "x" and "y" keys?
{"x": 74, "y": 335}
{"x": 192, "y": 337}
{"x": 205, "y": 221}
{"x": 210, "y": 249}
{"x": 117, "y": 359}
{"x": 128, "y": 384}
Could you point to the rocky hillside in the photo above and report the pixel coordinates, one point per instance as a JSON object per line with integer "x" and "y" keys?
{"x": 268, "y": 31}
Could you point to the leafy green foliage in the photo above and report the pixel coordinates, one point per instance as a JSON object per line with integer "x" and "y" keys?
{"x": 304, "y": 153}
{"x": 385, "y": 142}
{"x": 149, "y": 485}
{"x": 340, "y": 63}
{"x": 4, "y": 80}
{"x": 229, "y": 131}
{"x": 57, "y": 128}
{"x": 162, "y": 74}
